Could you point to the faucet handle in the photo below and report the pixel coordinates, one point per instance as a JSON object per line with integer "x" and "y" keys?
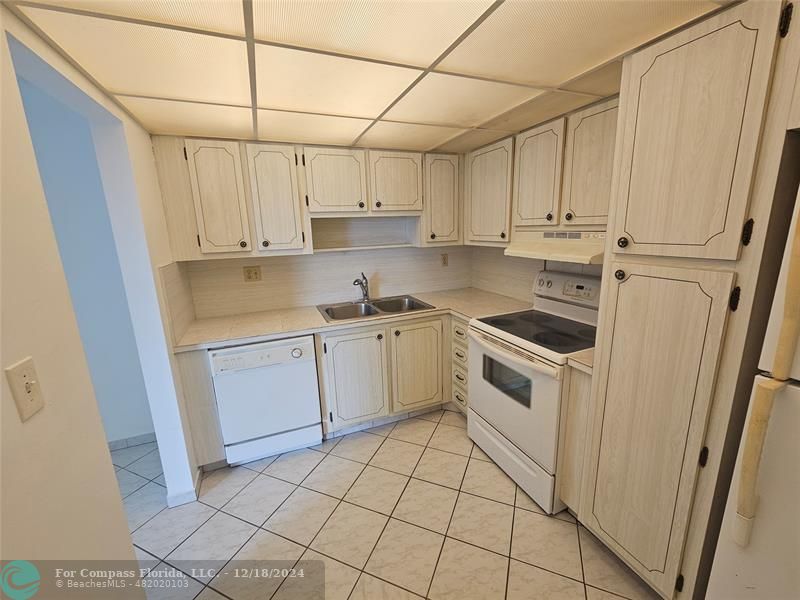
{"x": 357, "y": 282}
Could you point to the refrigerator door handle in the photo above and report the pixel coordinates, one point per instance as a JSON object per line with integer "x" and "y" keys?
{"x": 790, "y": 327}
{"x": 747, "y": 499}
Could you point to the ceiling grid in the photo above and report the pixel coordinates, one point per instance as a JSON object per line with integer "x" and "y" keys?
{"x": 449, "y": 75}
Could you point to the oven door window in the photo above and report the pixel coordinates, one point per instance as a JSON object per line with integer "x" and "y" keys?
{"x": 512, "y": 383}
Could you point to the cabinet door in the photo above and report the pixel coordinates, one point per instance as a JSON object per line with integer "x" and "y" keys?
{"x": 690, "y": 118}
{"x": 657, "y": 365}
{"x": 336, "y": 179}
{"x": 489, "y": 192}
{"x": 441, "y": 195}
{"x": 215, "y": 170}
{"x": 589, "y": 164}
{"x": 356, "y": 374}
{"x": 395, "y": 180}
{"x": 538, "y": 155}
{"x": 416, "y": 365}
{"x": 276, "y": 199}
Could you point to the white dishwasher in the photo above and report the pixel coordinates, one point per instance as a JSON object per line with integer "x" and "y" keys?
{"x": 267, "y": 397}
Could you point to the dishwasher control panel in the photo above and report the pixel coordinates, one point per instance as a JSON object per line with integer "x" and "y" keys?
{"x": 254, "y": 356}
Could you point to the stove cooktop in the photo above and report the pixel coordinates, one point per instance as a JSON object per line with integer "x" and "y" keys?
{"x": 557, "y": 334}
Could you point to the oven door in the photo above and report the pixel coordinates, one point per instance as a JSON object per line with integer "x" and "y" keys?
{"x": 517, "y": 393}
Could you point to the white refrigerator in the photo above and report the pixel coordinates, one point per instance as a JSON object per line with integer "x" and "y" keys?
{"x": 758, "y": 552}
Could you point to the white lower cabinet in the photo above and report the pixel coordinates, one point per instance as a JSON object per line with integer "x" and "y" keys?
{"x": 372, "y": 372}
{"x": 356, "y": 376}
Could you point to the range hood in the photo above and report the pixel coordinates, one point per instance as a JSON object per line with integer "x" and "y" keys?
{"x": 582, "y": 247}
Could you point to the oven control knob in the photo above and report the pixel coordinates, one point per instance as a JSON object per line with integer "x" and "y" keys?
{"x": 541, "y": 282}
{"x": 549, "y": 283}
{"x": 296, "y": 353}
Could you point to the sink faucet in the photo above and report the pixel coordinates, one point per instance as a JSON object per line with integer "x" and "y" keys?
{"x": 364, "y": 284}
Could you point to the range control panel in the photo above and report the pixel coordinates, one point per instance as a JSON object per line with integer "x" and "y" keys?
{"x": 568, "y": 287}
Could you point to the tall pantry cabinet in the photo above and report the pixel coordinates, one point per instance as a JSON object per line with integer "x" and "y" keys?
{"x": 691, "y": 109}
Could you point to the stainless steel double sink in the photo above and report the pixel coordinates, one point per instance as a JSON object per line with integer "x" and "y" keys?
{"x": 361, "y": 309}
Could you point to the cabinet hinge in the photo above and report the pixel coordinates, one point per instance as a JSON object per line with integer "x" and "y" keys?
{"x": 679, "y": 583}
{"x": 304, "y": 160}
{"x": 703, "y": 456}
{"x": 324, "y": 348}
{"x": 295, "y": 159}
{"x": 330, "y": 417}
{"x": 185, "y": 154}
{"x": 306, "y": 199}
{"x": 786, "y": 19}
{"x": 199, "y": 245}
{"x": 747, "y": 232}
{"x": 733, "y": 301}
{"x": 303, "y": 233}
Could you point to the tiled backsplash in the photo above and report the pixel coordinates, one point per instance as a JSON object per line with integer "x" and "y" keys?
{"x": 218, "y": 287}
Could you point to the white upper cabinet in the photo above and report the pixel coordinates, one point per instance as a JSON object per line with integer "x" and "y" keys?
{"x": 441, "y": 221}
{"x": 652, "y": 398}
{"x": 215, "y": 171}
{"x": 589, "y": 164}
{"x": 336, "y": 180}
{"x": 537, "y": 174}
{"x": 272, "y": 171}
{"x": 395, "y": 181}
{"x": 488, "y": 193}
{"x": 690, "y": 117}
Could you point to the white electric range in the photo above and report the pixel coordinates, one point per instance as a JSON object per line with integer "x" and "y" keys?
{"x": 517, "y": 365}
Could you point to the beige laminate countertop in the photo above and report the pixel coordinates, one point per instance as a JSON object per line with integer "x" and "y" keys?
{"x": 253, "y": 327}
{"x": 584, "y": 357}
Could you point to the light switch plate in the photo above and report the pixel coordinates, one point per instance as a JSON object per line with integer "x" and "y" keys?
{"x": 25, "y": 388}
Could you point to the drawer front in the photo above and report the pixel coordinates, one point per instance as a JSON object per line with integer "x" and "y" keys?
{"x": 460, "y": 377}
{"x": 460, "y": 397}
{"x": 459, "y": 331}
{"x": 460, "y": 356}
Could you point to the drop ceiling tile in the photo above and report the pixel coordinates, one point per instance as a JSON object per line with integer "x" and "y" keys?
{"x": 190, "y": 118}
{"x": 151, "y": 61}
{"x": 458, "y": 101}
{"x": 221, "y": 16}
{"x": 413, "y": 33}
{"x": 283, "y": 126}
{"x": 471, "y": 140}
{"x": 547, "y": 43}
{"x": 540, "y": 109}
{"x": 604, "y": 81}
{"x": 310, "y": 82}
{"x": 406, "y": 136}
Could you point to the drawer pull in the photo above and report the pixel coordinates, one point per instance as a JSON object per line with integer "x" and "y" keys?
{"x": 459, "y": 398}
{"x": 459, "y": 377}
{"x": 460, "y": 355}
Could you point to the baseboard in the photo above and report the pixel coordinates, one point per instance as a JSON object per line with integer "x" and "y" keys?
{"x": 186, "y": 496}
{"x": 136, "y": 440}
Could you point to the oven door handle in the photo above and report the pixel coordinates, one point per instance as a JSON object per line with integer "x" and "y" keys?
{"x": 529, "y": 363}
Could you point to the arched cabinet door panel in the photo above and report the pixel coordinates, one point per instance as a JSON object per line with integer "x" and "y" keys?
{"x": 488, "y": 193}
{"x": 416, "y": 365}
{"x": 690, "y": 117}
{"x": 538, "y": 155}
{"x": 336, "y": 179}
{"x": 276, "y": 197}
{"x": 215, "y": 171}
{"x": 395, "y": 181}
{"x": 651, "y": 400}
{"x": 441, "y": 217}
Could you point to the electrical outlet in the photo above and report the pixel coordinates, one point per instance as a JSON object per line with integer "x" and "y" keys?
{"x": 444, "y": 260}
{"x": 25, "y": 388}
{"x": 252, "y": 273}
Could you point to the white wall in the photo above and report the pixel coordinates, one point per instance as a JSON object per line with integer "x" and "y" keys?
{"x": 59, "y": 455}
{"x": 139, "y": 228}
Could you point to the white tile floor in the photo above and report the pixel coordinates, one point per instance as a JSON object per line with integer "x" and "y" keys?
{"x": 403, "y": 511}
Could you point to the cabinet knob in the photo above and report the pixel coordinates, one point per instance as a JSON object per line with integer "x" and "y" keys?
{"x": 360, "y": 205}
{"x": 265, "y": 243}
{"x": 397, "y": 332}
{"x": 619, "y": 274}
{"x": 243, "y": 244}
{"x": 378, "y": 204}
{"x": 297, "y": 353}
{"x": 503, "y": 234}
{"x": 380, "y": 336}
{"x": 433, "y": 236}
{"x": 568, "y": 216}
{"x": 549, "y": 216}
{"x": 622, "y": 242}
